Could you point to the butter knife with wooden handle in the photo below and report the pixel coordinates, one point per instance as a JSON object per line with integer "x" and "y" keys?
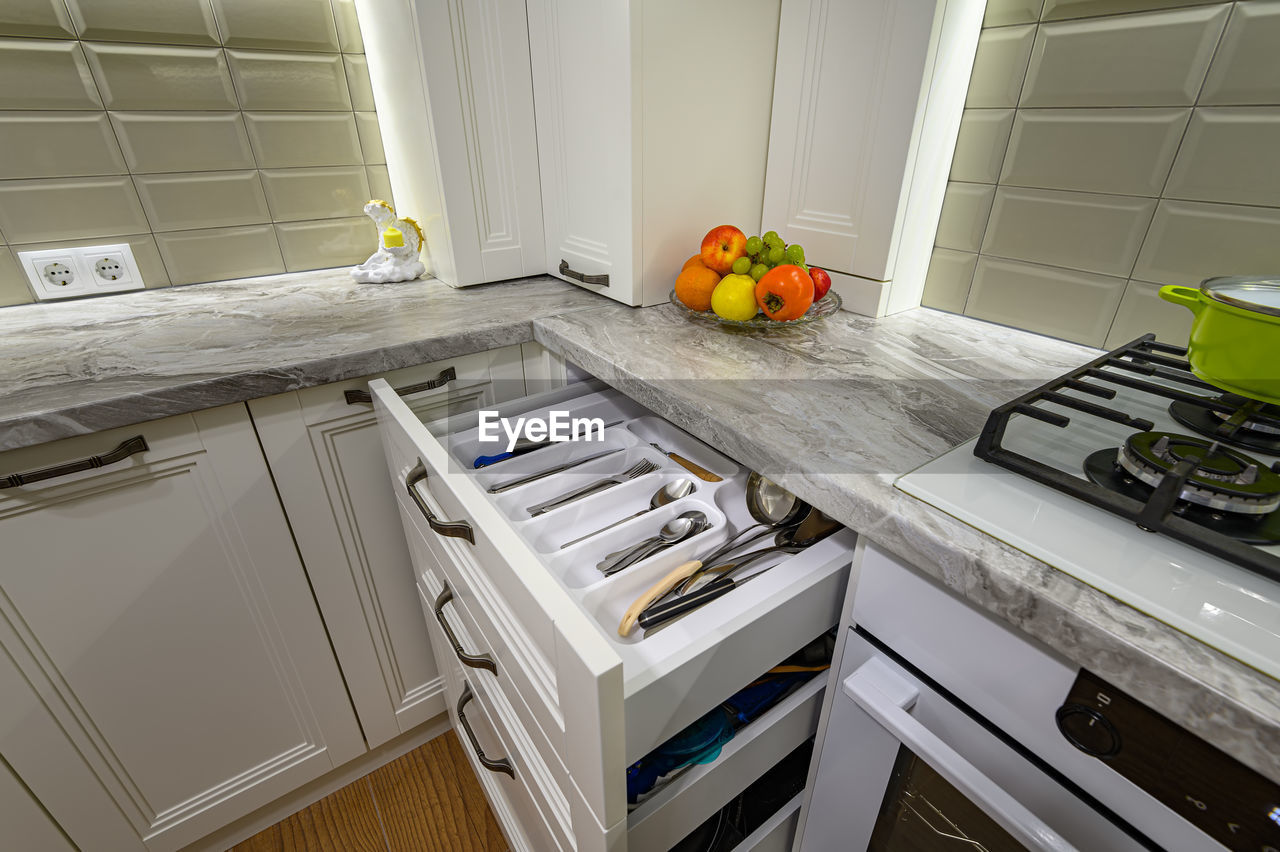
{"x": 697, "y": 470}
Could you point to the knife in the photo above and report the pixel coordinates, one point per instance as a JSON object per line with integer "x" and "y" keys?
{"x": 525, "y": 480}
{"x": 697, "y": 470}
{"x": 524, "y": 445}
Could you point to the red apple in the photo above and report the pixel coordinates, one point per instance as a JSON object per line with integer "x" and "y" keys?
{"x": 821, "y": 282}
{"x": 722, "y": 246}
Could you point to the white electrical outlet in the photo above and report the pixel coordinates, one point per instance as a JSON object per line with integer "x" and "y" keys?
{"x": 85, "y": 271}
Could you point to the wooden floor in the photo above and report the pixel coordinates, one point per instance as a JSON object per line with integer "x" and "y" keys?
{"x": 426, "y": 801}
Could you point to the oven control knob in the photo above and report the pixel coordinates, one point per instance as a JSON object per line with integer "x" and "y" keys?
{"x": 1088, "y": 730}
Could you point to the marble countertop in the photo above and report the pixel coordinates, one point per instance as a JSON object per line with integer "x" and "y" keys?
{"x": 834, "y": 411}
{"x": 71, "y": 368}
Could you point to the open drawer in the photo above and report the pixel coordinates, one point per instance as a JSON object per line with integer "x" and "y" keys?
{"x": 532, "y": 598}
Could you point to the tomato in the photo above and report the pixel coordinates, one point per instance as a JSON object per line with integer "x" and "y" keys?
{"x": 785, "y": 292}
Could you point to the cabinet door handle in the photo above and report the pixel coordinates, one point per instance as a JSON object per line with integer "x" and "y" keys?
{"x": 501, "y": 764}
{"x": 455, "y": 529}
{"x": 448, "y": 374}
{"x": 475, "y": 661}
{"x": 136, "y": 444}
{"x": 582, "y": 276}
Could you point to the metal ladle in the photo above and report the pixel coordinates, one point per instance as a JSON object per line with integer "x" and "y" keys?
{"x": 668, "y": 493}
{"x": 682, "y": 526}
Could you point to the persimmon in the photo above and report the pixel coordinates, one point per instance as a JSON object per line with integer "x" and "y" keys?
{"x": 784, "y": 293}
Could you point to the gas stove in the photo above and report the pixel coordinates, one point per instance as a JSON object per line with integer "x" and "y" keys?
{"x": 1141, "y": 480}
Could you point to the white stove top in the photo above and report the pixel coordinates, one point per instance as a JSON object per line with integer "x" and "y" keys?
{"x": 1230, "y": 608}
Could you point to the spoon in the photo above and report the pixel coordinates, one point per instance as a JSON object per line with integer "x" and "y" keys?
{"x": 682, "y": 526}
{"x": 668, "y": 493}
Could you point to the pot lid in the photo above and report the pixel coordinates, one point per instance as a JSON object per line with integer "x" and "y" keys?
{"x": 1253, "y": 293}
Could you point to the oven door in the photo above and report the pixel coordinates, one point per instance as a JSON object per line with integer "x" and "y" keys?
{"x": 904, "y": 768}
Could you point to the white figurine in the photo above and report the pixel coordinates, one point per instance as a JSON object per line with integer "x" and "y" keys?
{"x": 399, "y": 243}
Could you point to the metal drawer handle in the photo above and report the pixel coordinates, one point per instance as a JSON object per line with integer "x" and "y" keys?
{"x": 455, "y": 529}
{"x": 136, "y": 444}
{"x": 500, "y": 765}
{"x": 475, "y": 661}
{"x": 582, "y": 276}
{"x": 448, "y": 374}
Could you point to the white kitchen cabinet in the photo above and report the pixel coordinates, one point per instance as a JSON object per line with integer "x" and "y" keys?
{"x": 451, "y": 83}
{"x": 653, "y": 128}
{"x": 328, "y": 464}
{"x": 525, "y": 631}
{"x": 867, "y": 103}
{"x": 166, "y": 670}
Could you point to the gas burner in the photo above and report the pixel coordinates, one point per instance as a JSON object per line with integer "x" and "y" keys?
{"x": 1104, "y": 468}
{"x": 1253, "y": 425}
{"x": 1222, "y": 479}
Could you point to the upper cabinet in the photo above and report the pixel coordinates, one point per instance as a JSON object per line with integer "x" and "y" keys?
{"x": 451, "y": 83}
{"x": 866, "y": 107}
{"x": 653, "y": 128}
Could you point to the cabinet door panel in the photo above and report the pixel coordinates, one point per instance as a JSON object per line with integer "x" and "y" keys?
{"x": 331, "y": 473}
{"x": 161, "y": 614}
{"x": 582, "y": 83}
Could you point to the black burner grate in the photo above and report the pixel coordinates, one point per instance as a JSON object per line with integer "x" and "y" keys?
{"x": 1131, "y": 366}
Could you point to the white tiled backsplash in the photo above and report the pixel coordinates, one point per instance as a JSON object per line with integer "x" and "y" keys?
{"x": 219, "y": 138}
{"x": 1109, "y": 147}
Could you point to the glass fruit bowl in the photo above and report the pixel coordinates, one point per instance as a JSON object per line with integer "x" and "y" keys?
{"x": 824, "y": 307}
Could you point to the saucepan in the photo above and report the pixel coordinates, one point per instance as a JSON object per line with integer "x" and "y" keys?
{"x": 1235, "y": 336}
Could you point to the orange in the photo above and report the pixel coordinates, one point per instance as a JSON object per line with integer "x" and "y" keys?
{"x": 694, "y": 286}
{"x": 696, "y": 260}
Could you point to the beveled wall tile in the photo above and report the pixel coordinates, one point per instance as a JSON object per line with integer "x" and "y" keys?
{"x": 1002, "y": 13}
{"x": 221, "y": 253}
{"x": 344, "y": 13}
{"x": 134, "y": 77}
{"x": 358, "y": 82}
{"x": 69, "y": 208}
{"x": 289, "y": 81}
{"x": 13, "y": 282}
{"x": 1191, "y": 241}
{"x": 43, "y": 18}
{"x": 295, "y": 194}
{"x": 980, "y": 145}
{"x": 202, "y": 200}
{"x": 277, "y": 25}
{"x": 1229, "y": 154}
{"x": 1245, "y": 69}
{"x": 183, "y": 141}
{"x": 42, "y": 74}
{"x": 283, "y": 140}
{"x": 964, "y": 215}
{"x": 1154, "y": 59}
{"x": 327, "y": 242}
{"x": 1076, "y": 306}
{"x": 379, "y": 184}
{"x": 999, "y": 66}
{"x": 1059, "y": 9}
{"x": 370, "y": 137}
{"x": 58, "y": 144}
{"x": 144, "y": 252}
{"x": 1076, "y": 230}
{"x": 1142, "y": 311}
{"x": 1122, "y": 151}
{"x": 946, "y": 285}
{"x": 166, "y": 22}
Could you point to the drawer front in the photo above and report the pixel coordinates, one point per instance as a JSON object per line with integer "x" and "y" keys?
{"x": 778, "y": 832}
{"x": 462, "y": 383}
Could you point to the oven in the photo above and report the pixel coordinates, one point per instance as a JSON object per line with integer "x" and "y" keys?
{"x": 948, "y": 730}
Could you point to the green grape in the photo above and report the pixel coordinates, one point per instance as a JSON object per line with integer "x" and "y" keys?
{"x": 754, "y": 244}
{"x": 741, "y": 266}
{"x": 795, "y": 254}
{"x": 776, "y": 254}
{"x": 758, "y": 271}
{"x": 771, "y": 239}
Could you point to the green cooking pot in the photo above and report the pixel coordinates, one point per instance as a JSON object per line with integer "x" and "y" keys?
{"x": 1235, "y": 336}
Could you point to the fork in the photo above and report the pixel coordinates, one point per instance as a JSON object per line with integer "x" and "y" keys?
{"x": 637, "y": 470}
